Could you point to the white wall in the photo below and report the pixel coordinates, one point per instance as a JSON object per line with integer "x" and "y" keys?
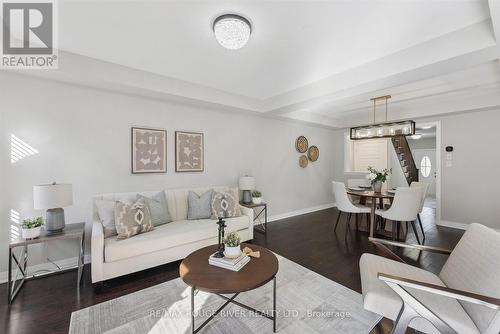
{"x": 83, "y": 138}
{"x": 469, "y": 188}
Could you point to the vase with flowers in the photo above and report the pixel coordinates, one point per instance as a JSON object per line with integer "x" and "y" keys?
{"x": 377, "y": 178}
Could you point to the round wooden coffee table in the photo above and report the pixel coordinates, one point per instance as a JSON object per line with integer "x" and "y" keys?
{"x": 196, "y": 272}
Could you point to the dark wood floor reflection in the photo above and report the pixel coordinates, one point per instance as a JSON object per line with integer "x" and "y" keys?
{"x": 45, "y": 305}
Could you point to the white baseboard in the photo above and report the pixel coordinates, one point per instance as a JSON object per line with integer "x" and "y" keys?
{"x": 459, "y": 226}
{"x": 64, "y": 263}
{"x": 300, "y": 212}
{"x": 447, "y": 223}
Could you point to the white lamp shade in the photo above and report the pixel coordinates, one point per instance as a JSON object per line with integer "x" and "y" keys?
{"x": 52, "y": 196}
{"x": 247, "y": 183}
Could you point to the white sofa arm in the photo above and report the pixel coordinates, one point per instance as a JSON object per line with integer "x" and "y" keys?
{"x": 249, "y": 213}
{"x": 97, "y": 249}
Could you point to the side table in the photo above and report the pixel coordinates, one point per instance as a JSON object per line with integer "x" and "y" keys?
{"x": 261, "y": 213}
{"x": 72, "y": 231}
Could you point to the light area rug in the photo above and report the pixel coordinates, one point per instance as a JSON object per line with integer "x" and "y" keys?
{"x": 306, "y": 303}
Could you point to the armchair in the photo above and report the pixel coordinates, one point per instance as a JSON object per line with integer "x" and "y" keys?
{"x": 463, "y": 298}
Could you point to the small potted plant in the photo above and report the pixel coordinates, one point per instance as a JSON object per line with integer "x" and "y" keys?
{"x": 31, "y": 227}
{"x": 378, "y": 177}
{"x": 232, "y": 247}
{"x": 256, "y": 197}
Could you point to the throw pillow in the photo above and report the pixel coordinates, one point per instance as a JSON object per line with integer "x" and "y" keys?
{"x": 158, "y": 208}
{"x": 199, "y": 207}
{"x": 225, "y": 205}
{"x": 132, "y": 219}
{"x": 106, "y": 211}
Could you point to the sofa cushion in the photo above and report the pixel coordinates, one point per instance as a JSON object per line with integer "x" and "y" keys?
{"x": 157, "y": 207}
{"x": 199, "y": 206}
{"x": 106, "y": 210}
{"x": 167, "y": 236}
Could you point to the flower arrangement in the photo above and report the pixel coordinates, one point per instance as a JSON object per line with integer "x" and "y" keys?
{"x": 232, "y": 239}
{"x": 30, "y": 223}
{"x": 256, "y": 194}
{"x": 31, "y": 227}
{"x": 378, "y": 176}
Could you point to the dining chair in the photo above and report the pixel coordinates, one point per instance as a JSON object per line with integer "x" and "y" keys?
{"x": 463, "y": 298}
{"x": 344, "y": 205}
{"x": 425, "y": 190}
{"x": 404, "y": 208}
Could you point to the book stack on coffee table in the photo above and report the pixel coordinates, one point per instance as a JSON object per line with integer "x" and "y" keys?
{"x": 234, "y": 264}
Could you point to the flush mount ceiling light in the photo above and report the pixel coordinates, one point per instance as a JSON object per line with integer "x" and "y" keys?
{"x": 232, "y": 31}
{"x": 383, "y": 130}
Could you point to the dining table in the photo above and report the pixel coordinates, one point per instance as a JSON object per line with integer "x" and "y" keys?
{"x": 376, "y": 198}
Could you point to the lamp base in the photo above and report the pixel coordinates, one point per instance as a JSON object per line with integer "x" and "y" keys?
{"x": 247, "y": 197}
{"x": 54, "y": 221}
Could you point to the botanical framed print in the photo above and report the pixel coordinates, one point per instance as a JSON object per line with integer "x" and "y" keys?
{"x": 149, "y": 150}
{"x": 189, "y": 152}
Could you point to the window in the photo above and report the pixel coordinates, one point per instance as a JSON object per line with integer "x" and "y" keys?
{"x": 425, "y": 166}
{"x": 371, "y": 152}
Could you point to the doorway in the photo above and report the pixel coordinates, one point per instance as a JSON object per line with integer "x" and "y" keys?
{"x": 426, "y": 163}
{"x": 424, "y": 147}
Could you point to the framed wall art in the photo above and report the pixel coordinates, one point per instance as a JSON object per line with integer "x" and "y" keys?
{"x": 189, "y": 152}
{"x": 149, "y": 150}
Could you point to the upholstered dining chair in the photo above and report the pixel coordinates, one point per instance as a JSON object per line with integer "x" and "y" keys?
{"x": 404, "y": 208}
{"x": 425, "y": 190}
{"x": 344, "y": 205}
{"x": 463, "y": 298}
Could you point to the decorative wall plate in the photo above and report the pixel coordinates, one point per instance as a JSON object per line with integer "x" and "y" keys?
{"x": 301, "y": 144}
{"x": 313, "y": 153}
{"x": 303, "y": 161}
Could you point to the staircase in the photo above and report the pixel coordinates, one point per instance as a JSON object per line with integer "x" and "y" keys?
{"x": 405, "y": 158}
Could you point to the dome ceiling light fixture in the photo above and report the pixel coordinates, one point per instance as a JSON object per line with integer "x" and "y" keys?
{"x": 232, "y": 31}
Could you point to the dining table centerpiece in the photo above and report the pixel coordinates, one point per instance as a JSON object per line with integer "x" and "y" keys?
{"x": 377, "y": 178}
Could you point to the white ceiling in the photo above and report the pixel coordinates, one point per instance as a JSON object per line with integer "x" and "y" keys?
{"x": 314, "y": 61}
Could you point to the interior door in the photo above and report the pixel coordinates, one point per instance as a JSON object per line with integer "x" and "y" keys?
{"x": 425, "y": 159}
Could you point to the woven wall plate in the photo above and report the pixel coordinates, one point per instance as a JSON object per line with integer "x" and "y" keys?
{"x": 313, "y": 153}
{"x": 303, "y": 161}
{"x": 301, "y": 144}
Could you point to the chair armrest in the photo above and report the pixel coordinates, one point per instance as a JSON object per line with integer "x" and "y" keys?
{"x": 249, "y": 213}
{"x": 412, "y": 246}
{"x": 493, "y": 303}
{"x": 97, "y": 251}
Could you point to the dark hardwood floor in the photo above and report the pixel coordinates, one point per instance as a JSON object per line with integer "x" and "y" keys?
{"x": 45, "y": 305}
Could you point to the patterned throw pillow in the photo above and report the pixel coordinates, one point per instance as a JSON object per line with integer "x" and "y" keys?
{"x": 132, "y": 219}
{"x": 157, "y": 207}
{"x": 199, "y": 207}
{"x": 225, "y": 205}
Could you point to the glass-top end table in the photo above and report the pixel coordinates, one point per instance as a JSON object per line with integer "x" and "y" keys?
{"x": 70, "y": 232}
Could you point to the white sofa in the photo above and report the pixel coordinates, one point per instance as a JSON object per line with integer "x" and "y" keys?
{"x": 166, "y": 243}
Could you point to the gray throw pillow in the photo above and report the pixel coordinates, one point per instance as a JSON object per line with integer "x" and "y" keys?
{"x": 199, "y": 207}
{"x": 157, "y": 207}
{"x": 132, "y": 219}
{"x": 106, "y": 211}
{"x": 225, "y": 205}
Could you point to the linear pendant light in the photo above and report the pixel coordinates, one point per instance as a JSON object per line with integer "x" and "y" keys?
{"x": 385, "y": 129}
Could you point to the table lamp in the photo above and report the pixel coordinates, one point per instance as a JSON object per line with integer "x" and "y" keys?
{"x": 53, "y": 197}
{"x": 247, "y": 184}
